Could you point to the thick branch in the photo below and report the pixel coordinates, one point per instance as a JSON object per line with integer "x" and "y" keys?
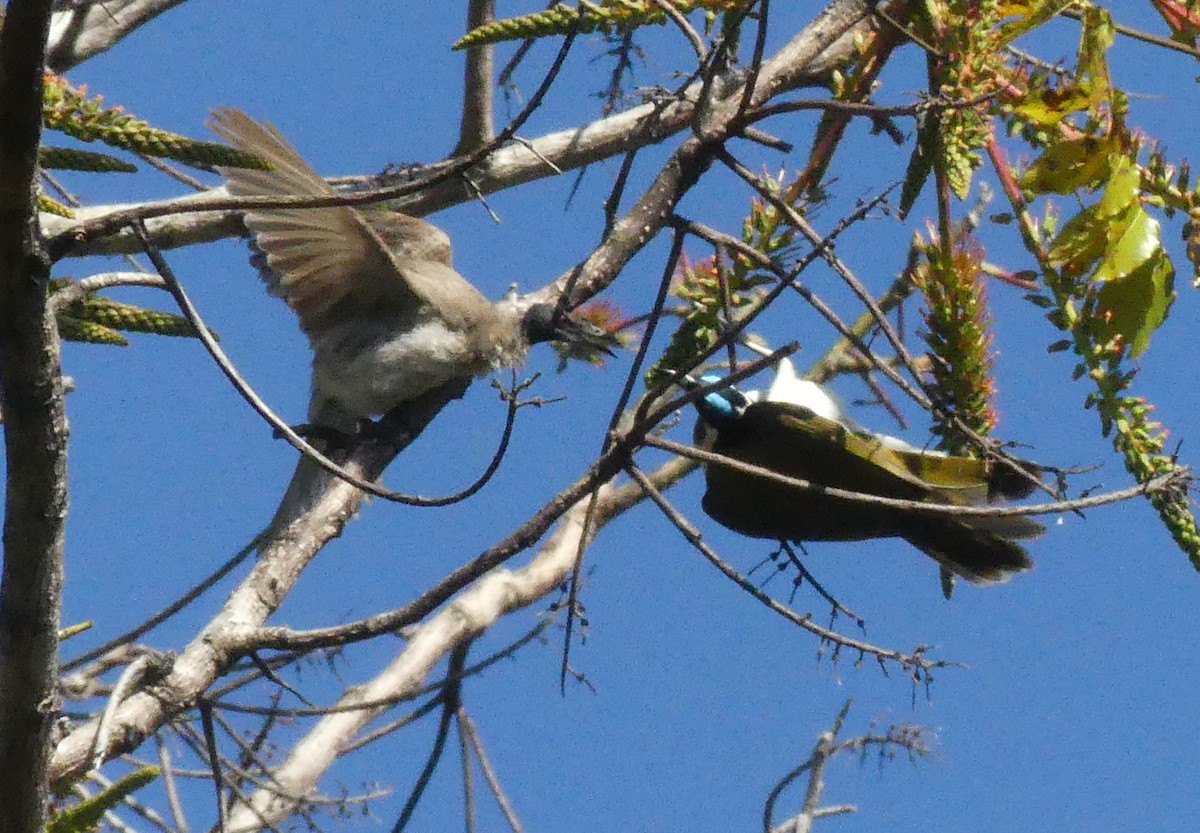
{"x": 178, "y": 222}
{"x": 35, "y": 434}
{"x": 284, "y": 553}
{"x": 476, "y": 609}
{"x": 91, "y": 28}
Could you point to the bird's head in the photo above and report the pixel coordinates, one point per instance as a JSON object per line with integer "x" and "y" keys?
{"x": 545, "y": 322}
{"x": 720, "y": 410}
{"x": 723, "y": 407}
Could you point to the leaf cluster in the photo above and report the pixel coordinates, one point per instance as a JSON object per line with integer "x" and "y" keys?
{"x": 100, "y": 320}
{"x": 86, "y": 816}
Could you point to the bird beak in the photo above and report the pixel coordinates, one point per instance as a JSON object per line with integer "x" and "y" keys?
{"x": 583, "y": 336}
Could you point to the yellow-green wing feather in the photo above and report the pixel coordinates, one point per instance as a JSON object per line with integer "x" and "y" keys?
{"x": 957, "y": 479}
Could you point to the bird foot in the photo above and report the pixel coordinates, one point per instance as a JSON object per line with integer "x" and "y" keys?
{"x": 804, "y": 574}
{"x": 370, "y": 429}
{"x": 327, "y": 435}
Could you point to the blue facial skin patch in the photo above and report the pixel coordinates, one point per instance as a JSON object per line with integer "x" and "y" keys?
{"x": 721, "y": 408}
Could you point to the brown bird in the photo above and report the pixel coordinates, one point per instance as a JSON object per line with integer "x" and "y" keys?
{"x": 386, "y": 314}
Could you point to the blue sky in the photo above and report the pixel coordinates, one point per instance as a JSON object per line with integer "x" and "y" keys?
{"x": 1075, "y": 708}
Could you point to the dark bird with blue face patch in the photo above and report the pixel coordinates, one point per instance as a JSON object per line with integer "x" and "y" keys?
{"x": 810, "y": 440}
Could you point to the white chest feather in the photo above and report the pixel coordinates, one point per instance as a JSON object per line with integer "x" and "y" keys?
{"x": 369, "y": 367}
{"x": 370, "y": 370}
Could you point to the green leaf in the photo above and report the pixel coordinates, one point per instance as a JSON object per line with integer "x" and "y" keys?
{"x": 920, "y": 164}
{"x": 1122, "y": 188}
{"x": 1080, "y": 244}
{"x": 1066, "y": 166}
{"x": 1049, "y": 106}
{"x": 1132, "y": 240}
{"x": 1032, "y": 15}
{"x": 1097, "y": 36}
{"x": 1115, "y": 231}
{"x": 1136, "y": 304}
{"x": 87, "y": 815}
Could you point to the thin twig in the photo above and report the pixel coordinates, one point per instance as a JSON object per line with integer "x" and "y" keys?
{"x": 80, "y": 289}
{"x": 204, "y": 706}
{"x": 170, "y": 788}
{"x": 468, "y": 776}
{"x": 166, "y": 613}
{"x": 450, "y": 702}
{"x": 282, "y": 428}
{"x": 684, "y": 26}
{"x": 1163, "y": 481}
{"x": 1138, "y": 34}
{"x": 916, "y": 660}
{"x": 173, "y": 172}
{"x": 489, "y": 773}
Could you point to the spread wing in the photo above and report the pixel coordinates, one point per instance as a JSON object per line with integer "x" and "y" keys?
{"x": 322, "y": 258}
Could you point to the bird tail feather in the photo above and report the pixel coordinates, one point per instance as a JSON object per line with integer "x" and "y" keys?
{"x": 1013, "y": 527}
{"x": 978, "y": 555}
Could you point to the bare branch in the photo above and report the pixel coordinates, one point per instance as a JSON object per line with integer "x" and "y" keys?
{"x": 467, "y": 725}
{"x": 469, "y": 615}
{"x": 79, "y": 290}
{"x": 805, "y": 61}
{"x": 476, "y": 128}
{"x": 87, "y": 29}
{"x": 167, "y": 766}
{"x": 35, "y": 435}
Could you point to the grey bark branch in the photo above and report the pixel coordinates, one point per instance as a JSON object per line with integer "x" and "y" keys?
{"x": 182, "y": 221}
{"x": 283, "y": 556}
{"x": 188, "y": 220}
{"x": 476, "y": 128}
{"x": 472, "y": 612}
{"x": 86, "y": 30}
{"x": 35, "y": 436}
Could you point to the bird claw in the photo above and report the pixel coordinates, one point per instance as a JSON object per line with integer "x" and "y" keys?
{"x": 325, "y": 434}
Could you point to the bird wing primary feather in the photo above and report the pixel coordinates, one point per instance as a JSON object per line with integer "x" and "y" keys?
{"x": 943, "y": 478}
{"x": 962, "y": 474}
{"x": 804, "y": 438}
{"x": 824, "y": 451}
{"x": 329, "y": 257}
{"x": 793, "y": 441}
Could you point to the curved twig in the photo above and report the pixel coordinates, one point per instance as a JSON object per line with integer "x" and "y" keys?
{"x": 915, "y": 660}
{"x": 1164, "y": 481}
{"x": 284, "y": 430}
